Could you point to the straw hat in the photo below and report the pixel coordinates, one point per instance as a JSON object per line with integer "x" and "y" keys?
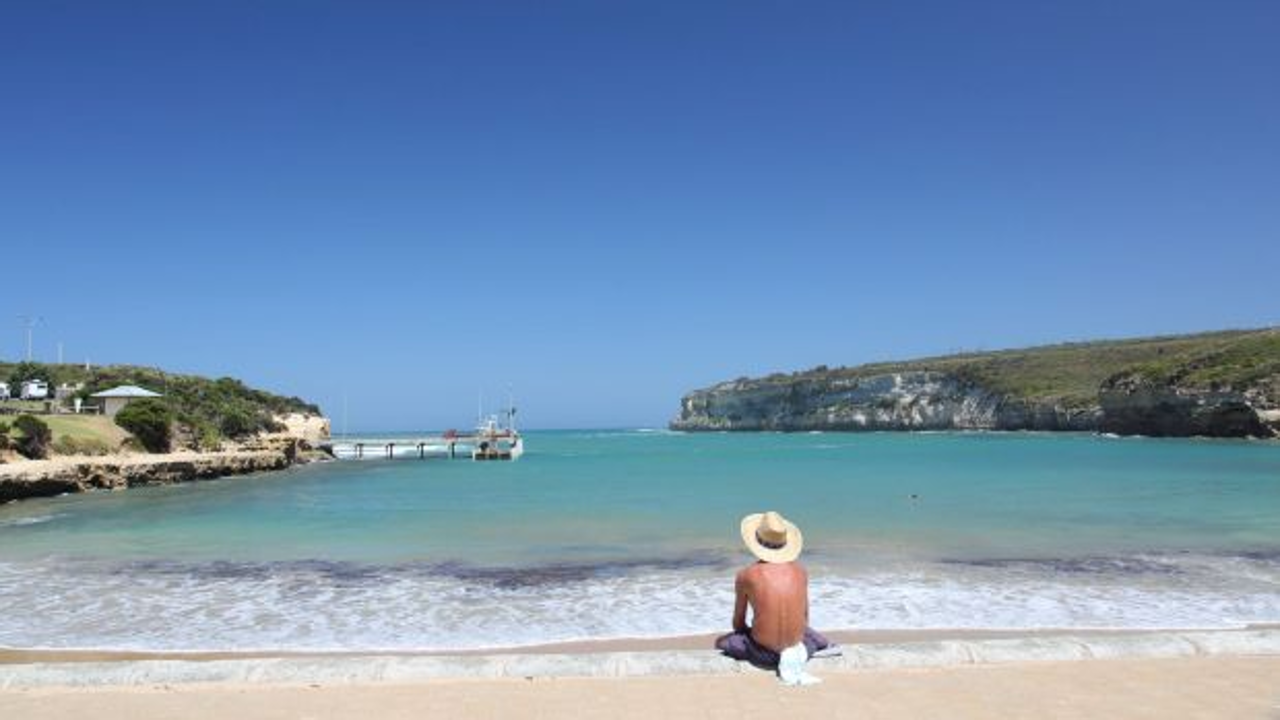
{"x": 770, "y": 537}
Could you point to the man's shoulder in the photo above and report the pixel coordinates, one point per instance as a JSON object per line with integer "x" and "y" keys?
{"x": 780, "y": 570}
{"x": 759, "y": 569}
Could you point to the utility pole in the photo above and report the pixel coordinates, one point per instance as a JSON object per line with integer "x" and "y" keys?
{"x": 31, "y": 322}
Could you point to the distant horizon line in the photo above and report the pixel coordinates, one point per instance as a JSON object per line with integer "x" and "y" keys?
{"x": 433, "y": 431}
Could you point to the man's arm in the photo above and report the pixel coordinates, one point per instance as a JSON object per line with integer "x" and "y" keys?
{"x": 740, "y": 605}
{"x": 805, "y": 573}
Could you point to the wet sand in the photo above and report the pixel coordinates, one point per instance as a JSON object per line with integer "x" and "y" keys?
{"x": 681, "y": 642}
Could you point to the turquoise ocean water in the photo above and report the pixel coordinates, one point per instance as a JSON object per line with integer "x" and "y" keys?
{"x": 590, "y": 531}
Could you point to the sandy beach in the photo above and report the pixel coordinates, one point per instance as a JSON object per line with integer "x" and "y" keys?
{"x": 882, "y": 674}
{"x": 1216, "y": 687}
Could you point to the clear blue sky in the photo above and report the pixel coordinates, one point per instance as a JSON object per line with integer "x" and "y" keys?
{"x": 606, "y": 204}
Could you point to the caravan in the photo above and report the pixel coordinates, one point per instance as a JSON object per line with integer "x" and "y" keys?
{"x": 35, "y": 390}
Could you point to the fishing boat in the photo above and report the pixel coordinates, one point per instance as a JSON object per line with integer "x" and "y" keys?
{"x": 494, "y": 441}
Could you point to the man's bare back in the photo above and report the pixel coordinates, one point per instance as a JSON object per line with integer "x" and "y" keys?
{"x": 776, "y": 589}
{"x": 778, "y": 594}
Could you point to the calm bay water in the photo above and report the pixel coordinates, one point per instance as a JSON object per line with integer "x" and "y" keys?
{"x": 589, "y": 531}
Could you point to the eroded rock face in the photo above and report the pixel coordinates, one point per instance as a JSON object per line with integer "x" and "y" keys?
{"x": 892, "y": 401}
{"x": 42, "y": 478}
{"x": 1134, "y": 406}
{"x": 296, "y": 444}
{"x": 311, "y": 429}
{"x": 937, "y": 401}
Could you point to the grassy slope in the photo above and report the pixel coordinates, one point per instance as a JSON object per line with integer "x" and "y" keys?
{"x": 86, "y": 427}
{"x": 1071, "y": 373}
{"x": 90, "y": 430}
{"x": 200, "y": 403}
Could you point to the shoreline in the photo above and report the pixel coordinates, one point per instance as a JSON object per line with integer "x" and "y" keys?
{"x": 699, "y": 641}
{"x": 294, "y": 443}
{"x": 851, "y": 641}
{"x": 31, "y": 479}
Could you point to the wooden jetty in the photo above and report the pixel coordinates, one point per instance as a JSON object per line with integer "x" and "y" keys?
{"x": 487, "y": 443}
{"x": 421, "y": 448}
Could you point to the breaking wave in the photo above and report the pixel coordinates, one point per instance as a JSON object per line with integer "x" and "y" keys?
{"x": 31, "y": 520}
{"x": 324, "y": 605}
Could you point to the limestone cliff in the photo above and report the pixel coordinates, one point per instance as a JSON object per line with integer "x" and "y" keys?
{"x": 295, "y": 444}
{"x": 1218, "y": 384}
{"x": 42, "y": 478}
{"x": 920, "y": 400}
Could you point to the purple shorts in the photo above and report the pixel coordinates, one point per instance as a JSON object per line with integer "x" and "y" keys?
{"x": 741, "y": 646}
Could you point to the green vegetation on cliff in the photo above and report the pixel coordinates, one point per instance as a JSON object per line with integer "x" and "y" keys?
{"x": 1238, "y": 363}
{"x": 205, "y": 410}
{"x": 1219, "y": 384}
{"x": 1071, "y": 374}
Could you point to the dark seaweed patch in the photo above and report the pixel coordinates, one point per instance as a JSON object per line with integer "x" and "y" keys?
{"x": 1077, "y": 566}
{"x": 347, "y": 573}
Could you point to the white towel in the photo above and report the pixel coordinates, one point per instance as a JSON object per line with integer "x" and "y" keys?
{"x": 791, "y": 666}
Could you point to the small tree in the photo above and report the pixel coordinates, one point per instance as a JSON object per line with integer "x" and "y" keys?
{"x": 236, "y": 423}
{"x": 24, "y": 371}
{"x": 149, "y": 421}
{"x": 36, "y": 436}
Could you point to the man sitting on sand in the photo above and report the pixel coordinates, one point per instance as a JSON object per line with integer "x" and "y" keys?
{"x": 777, "y": 589}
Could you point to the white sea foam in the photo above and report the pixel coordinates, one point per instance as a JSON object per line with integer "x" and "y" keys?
{"x": 301, "y": 606}
{"x": 32, "y": 520}
{"x": 631, "y": 433}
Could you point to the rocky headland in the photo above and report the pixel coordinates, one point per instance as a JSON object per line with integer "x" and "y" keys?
{"x": 194, "y": 428}
{"x": 1224, "y": 384}
{"x": 297, "y": 444}
{"x": 43, "y": 478}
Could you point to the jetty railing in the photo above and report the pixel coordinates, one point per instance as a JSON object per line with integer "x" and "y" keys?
{"x": 438, "y": 446}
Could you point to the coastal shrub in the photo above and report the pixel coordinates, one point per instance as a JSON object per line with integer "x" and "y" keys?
{"x": 237, "y": 423}
{"x": 70, "y": 445}
{"x": 148, "y": 420}
{"x": 33, "y": 443}
{"x": 205, "y": 436}
{"x": 4, "y": 438}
